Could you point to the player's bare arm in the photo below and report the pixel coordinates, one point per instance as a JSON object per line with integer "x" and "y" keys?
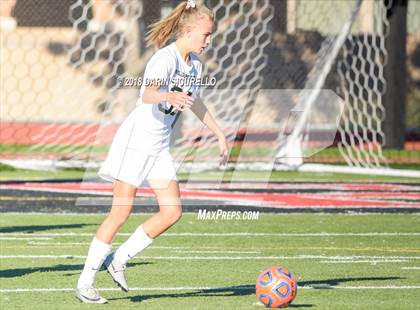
{"x": 201, "y": 111}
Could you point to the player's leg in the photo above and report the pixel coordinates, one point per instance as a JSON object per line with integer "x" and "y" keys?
{"x": 170, "y": 210}
{"x": 100, "y": 247}
{"x": 122, "y": 205}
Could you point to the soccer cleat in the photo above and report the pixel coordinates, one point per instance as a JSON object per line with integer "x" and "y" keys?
{"x": 89, "y": 295}
{"x": 116, "y": 270}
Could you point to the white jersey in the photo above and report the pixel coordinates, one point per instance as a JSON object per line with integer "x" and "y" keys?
{"x": 149, "y": 126}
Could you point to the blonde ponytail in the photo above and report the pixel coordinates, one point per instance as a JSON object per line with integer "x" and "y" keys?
{"x": 173, "y": 24}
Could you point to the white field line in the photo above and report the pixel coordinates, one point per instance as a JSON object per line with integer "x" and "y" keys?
{"x": 374, "y": 261}
{"x": 235, "y": 234}
{"x": 180, "y": 249}
{"x": 411, "y": 268}
{"x": 64, "y": 243}
{"x": 23, "y": 238}
{"x": 114, "y": 244}
{"x": 175, "y": 248}
{"x": 303, "y": 257}
{"x": 217, "y": 249}
{"x": 71, "y": 214}
{"x": 201, "y": 288}
{"x": 215, "y": 252}
{"x": 322, "y": 234}
{"x": 385, "y": 287}
{"x": 41, "y": 256}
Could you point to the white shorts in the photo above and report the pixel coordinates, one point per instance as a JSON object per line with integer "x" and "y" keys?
{"x": 134, "y": 167}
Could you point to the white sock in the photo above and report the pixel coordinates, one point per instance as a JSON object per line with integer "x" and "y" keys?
{"x": 98, "y": 251}
{"x": 137, "y": 242}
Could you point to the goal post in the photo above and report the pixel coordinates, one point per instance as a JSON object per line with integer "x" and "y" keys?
{"x": 396, "y": 91}
{"x": 291, "y": 151}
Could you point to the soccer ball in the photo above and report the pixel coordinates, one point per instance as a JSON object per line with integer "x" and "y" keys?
{"x": 276, "y": 287}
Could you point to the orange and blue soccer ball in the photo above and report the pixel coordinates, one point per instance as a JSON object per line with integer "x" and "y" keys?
{"x": 276, "y": 287}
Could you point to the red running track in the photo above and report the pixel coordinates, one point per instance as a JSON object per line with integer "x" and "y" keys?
{"x": 287, "y": 195}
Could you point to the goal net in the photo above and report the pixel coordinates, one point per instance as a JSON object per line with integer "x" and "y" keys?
{"x": 71, "y": 68}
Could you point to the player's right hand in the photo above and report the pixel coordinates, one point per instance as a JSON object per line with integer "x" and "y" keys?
{"x": 180, "y": 100}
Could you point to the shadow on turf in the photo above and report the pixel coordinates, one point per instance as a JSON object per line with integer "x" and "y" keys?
{"x": 36, "y": 228}
{"x": 241, "y": 290}
{"x": 12, "y": 273}
{"x": 228, "y": 291}
{"x": 328, "y": 284}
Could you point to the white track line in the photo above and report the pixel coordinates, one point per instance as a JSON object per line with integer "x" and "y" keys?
{"x": 325, "y": 258}
{"x": 235, "y": 234}
{"x": 411, "y": 268}
{"x": 140, "y": 214}
{"x": 200, "y": 288}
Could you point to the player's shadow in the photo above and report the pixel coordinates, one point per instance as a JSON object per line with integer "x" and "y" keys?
{"x": 228, "y": 291}
{"x": 241, "y": 290}
{"x": 19, "y": 272}
{"x": 330, "y": 283}
{"x": 36, "y": 228}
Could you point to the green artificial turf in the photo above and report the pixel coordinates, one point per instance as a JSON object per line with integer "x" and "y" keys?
{"x": 341, "y": 261}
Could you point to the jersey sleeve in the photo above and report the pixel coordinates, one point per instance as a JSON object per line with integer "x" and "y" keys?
{"x": 159, "y": 68}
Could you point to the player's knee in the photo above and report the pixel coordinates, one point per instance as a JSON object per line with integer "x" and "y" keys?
{"x": 120, "y": 216}
{"x": 172, "y": 215}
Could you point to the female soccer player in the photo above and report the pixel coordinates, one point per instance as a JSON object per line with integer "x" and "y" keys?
{"x": 140, "y": 149}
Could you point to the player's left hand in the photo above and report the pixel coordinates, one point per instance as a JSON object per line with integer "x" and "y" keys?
{"x": 223, "y": 147}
